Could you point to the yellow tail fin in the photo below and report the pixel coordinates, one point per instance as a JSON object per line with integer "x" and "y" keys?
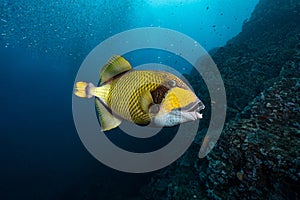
{"x": 84, "y": 89}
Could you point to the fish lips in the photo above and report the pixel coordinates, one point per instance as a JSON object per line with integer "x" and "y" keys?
{"x": 179, "y": 115}
{"x": 194, "y": 107}
{"x": 192, "y": 111}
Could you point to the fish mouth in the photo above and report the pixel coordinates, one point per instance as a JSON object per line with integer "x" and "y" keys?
{"x": 194, "y": 107}
{"x": 192, "y": 111}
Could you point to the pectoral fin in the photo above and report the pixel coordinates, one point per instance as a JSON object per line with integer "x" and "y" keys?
{"x": 107, "y": 120}
{"x": 146, "y": 101}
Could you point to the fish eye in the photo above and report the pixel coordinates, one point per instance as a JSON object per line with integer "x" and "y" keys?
{"x": 172, "y": 83}
{"x": 154, "y": 109}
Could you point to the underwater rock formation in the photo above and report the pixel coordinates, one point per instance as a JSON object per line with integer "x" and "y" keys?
{"x": 178, "y": 181}
{"x": 257, "y": 155}
{"x": 251, "y": 61}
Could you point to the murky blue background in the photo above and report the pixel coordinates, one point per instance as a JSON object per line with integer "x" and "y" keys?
{"x": 42, "y": 45}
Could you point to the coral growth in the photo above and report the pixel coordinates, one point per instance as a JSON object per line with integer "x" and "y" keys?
{"x": 259, "y": 157}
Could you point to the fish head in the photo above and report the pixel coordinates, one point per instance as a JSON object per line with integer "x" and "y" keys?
{"x": 179, "y": 105}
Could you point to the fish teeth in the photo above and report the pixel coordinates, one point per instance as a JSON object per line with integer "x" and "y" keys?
{"x": 199, "y": 115}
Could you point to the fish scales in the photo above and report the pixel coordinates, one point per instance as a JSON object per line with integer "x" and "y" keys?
{"x": 126, "y": 91}
{"x": 143, "y": 97}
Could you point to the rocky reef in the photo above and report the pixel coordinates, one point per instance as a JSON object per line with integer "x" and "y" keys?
{"x": 257, "y": 155}
{"x": 252, "y": 61}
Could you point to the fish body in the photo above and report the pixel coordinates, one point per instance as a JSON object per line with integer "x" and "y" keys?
{"x": 140, "y": 96}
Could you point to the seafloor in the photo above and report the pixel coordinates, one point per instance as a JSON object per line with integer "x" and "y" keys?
{"x": 258, "y": 153}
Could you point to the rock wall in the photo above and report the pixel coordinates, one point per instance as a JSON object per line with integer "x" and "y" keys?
{"x": 257, "y": 155}
{"x": 252, "y": 61}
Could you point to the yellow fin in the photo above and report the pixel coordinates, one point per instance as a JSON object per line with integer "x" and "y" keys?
{"x": 145, "y": 101}
{"x": 107, "y": 120}
{"x": 116, "y": 65}
{"x": 84, "y": 89}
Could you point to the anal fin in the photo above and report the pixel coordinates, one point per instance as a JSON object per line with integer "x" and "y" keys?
{"x": 107, "y": 120}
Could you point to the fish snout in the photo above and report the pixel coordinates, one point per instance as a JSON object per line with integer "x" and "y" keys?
{"x": 191, "y": 112}
{"x": 194, "y": 106}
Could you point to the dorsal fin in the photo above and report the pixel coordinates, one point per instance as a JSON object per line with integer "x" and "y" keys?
{"x": 116, "y": 65}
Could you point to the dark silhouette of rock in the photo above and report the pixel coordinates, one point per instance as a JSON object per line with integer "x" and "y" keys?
{"x": 257, "y": 155}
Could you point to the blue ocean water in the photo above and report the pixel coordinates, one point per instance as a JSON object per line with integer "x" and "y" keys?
{"x": 42, "y": 45}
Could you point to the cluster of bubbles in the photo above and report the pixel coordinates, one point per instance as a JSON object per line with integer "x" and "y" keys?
{"x": 61, "y": 28}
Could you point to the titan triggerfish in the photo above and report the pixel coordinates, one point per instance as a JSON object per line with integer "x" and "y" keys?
{"x": 142, "y": 97}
